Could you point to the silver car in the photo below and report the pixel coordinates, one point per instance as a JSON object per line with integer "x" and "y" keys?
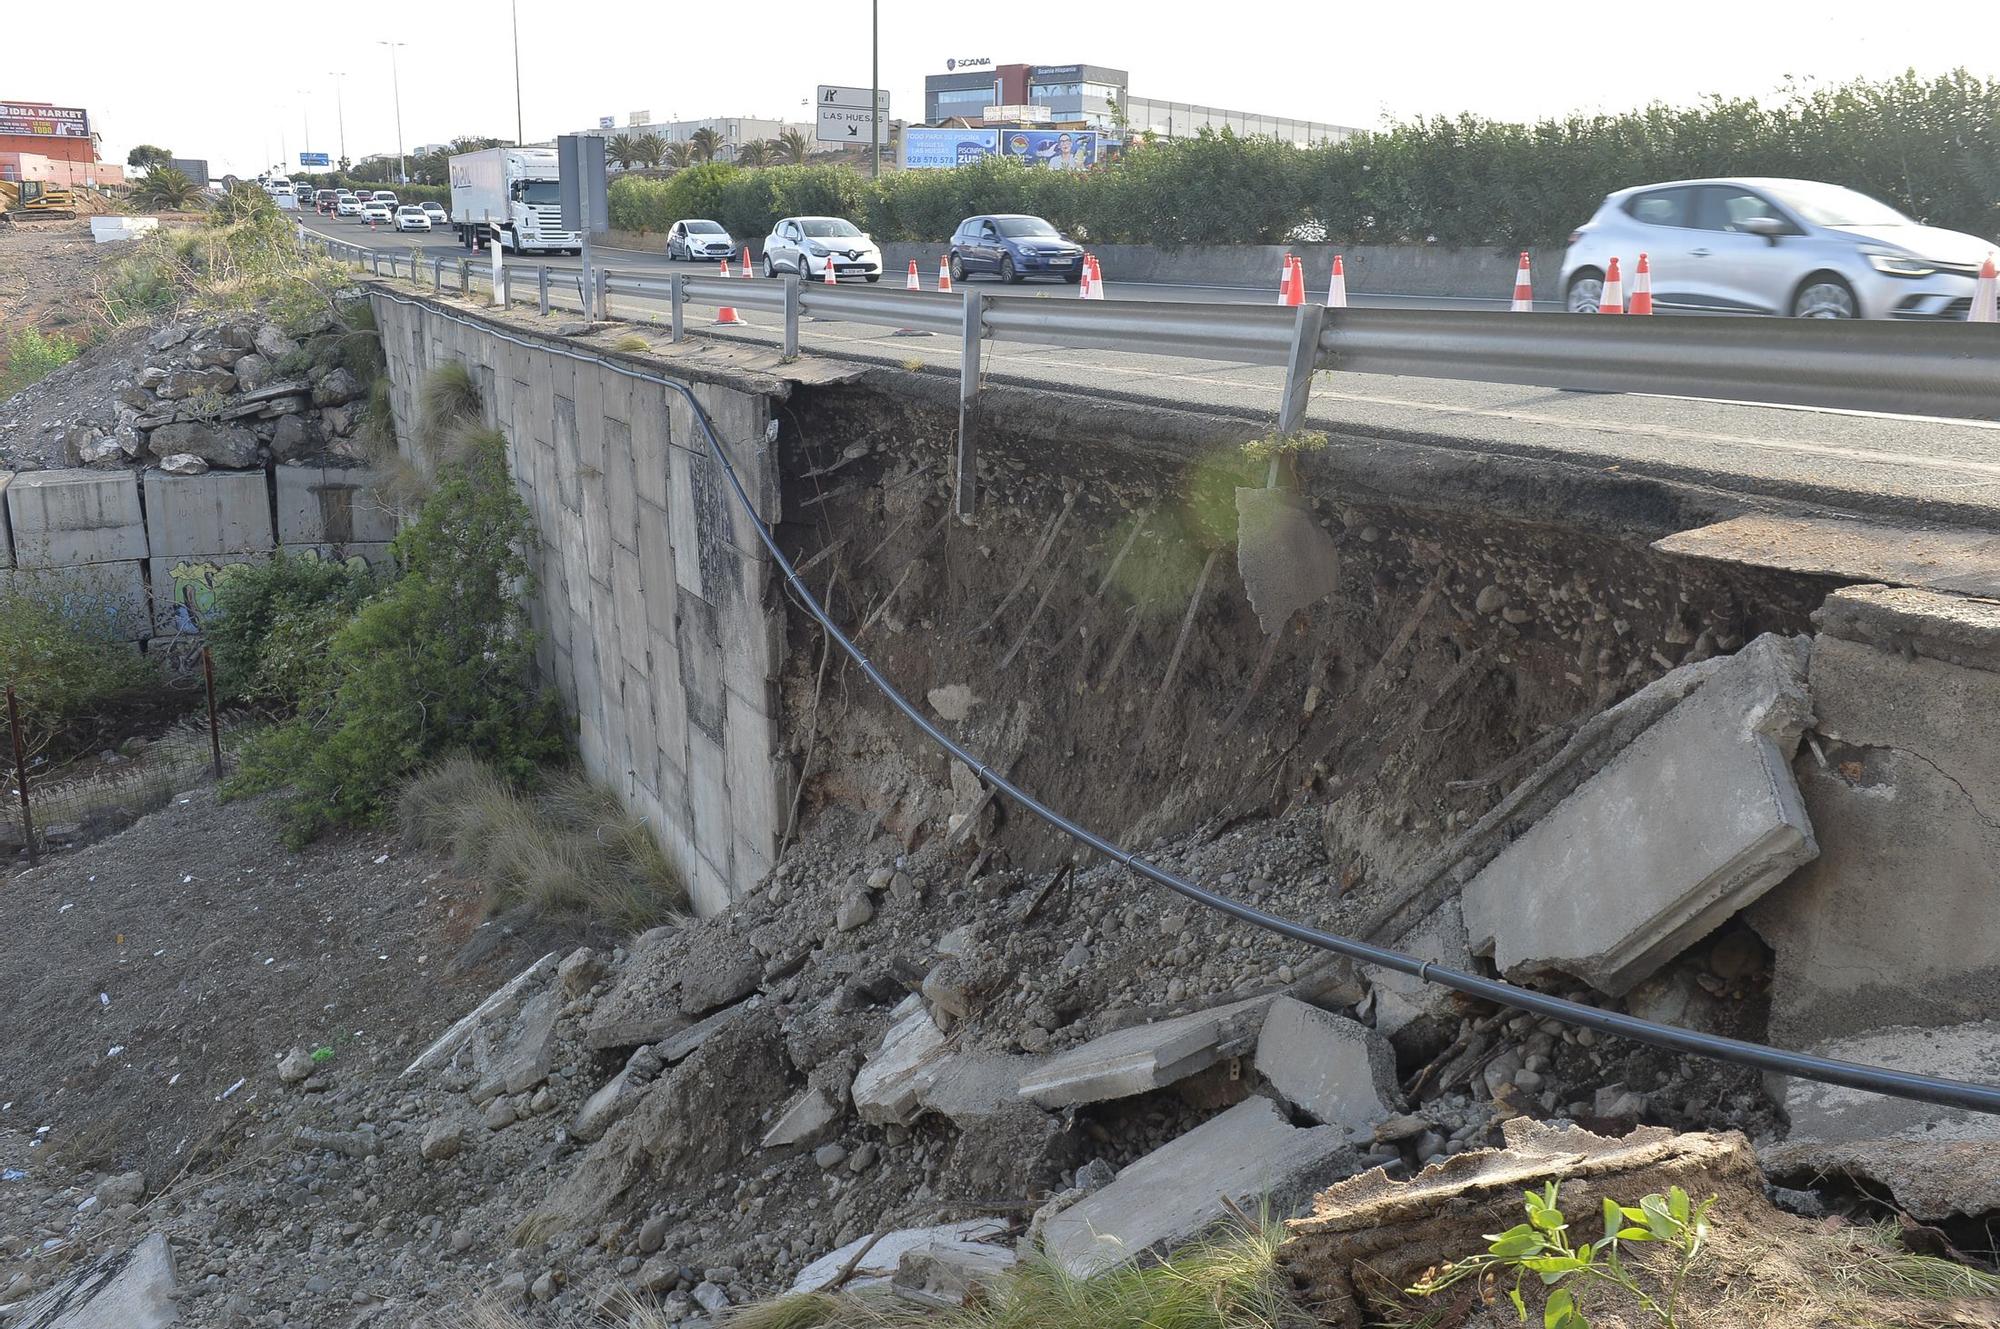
{"x": 796, "y": 244}
{"x": 1760, "y": 246}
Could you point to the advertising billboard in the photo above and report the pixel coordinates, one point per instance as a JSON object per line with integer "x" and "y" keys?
{"x": 44, "y": 121}
{"x": 1053, "y": 149}
{"x": 935, "y": 149}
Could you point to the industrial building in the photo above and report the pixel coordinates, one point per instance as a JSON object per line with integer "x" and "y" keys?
{"x": 54, "y": 144}
{"x": 1092, "y": 97}
{"x": 733, "y": 130}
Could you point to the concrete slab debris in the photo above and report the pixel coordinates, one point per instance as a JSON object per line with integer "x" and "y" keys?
{"x": 1286, "y": 561}
{"x": 612, "y": 1101}
{"x": 977, "y": 1087}
{"x": 1938, "y": 1162}
{"x": 1943, "y": 560}
{"x": 946, "y": 1273}
{"x": 438, "y": 1053}
{"x": 887, "y": 1087}
{"x": 1694, "y": 820}
{"x": 1176, "y": 1193}
{"x": 124, "y": 1290}
{"x": 1336, "y": 1070}
{"x": 801, "y": 1123}
{"x": 1144, "y": 1057}
{"x": 975, "y": 1237}
{"x": 682, "y": 1042}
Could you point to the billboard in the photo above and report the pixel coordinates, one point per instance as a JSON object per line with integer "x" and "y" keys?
{"x": 44, "y": 121}
{"x": 935, "y": 149}
{"x": 1055, "y": 149}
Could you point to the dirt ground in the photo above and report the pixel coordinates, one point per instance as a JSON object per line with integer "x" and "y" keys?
{"x": 47, "y": 270}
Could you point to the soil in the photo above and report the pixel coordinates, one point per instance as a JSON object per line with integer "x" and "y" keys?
{"x": 47, "y": 276}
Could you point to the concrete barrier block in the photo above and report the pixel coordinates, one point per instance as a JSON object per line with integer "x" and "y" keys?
{"x": 1336, "y": 1070}
{"x": 1691, "y": 822}
{"x": 175, "y": 579}
{"x": 6, "y": 539}
{"x": 66, "y": 517}
{"x": 101, "y": 597}
{"x": 220, "y": 512}
{"x": 330, "y": 505}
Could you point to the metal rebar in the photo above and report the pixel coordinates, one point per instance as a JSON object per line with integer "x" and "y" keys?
{"x": 21, "y": 773}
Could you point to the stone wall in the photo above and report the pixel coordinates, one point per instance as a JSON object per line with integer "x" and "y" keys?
{"x": 655, "y": 602}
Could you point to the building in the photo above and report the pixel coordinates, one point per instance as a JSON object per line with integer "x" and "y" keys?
{"x": 52, "y": 143}
{"x": 1093, "y": 97}
{"x": 733, "y": 130}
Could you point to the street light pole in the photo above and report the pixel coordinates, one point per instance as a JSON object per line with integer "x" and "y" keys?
{"x": 396, "y": 87}
{"x": 875, "y": 85}
{"x": 514, "y": 11}
{"x": 305, "y": 114}
{"x": 340, "y": 111}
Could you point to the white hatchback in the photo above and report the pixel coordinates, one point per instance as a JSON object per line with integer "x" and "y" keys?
{"x": 410, "y": 217}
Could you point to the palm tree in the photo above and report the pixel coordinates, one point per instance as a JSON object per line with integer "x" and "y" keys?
{"x": 704, "y": 143}
{"x": 793, "y": 146}
{"x": 651, "y": 148}
{"x": 675, "y": 155}
{"x": 624, "y": 149}
{"x": 166, "y": 190}
{"x": 754, "y": 154}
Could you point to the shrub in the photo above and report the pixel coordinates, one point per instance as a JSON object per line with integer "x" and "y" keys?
{"x": 32, "y": 356}
{"x": 166, "y": 190}
{"x": 245, "y": 259}
{"x": 271, "y": 624}
{"x": 62, "y": 660}
{"x": 695, "y": 192}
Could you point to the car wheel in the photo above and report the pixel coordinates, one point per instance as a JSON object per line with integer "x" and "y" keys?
{"x": 957, "y": 268}
{"x": 1586, "y": 292}
{"x": 1007, "y": 273}
{"x": 874, "y": 276}
{"x": 1825, "y": 296}
{"x": 770, "y": 268}
{"x": 1072, "y": 277}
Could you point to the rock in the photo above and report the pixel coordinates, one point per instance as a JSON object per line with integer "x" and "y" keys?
{"x": 442, "y": 1140}
{"x": 544, "y": 1288}
{"x": 513, "y": 1286}
{"x": 1337, "y": 1071}
{"x": 681, "y": 1043}
{"x": 294, "y": 1066}
{"x": 530, "y": 1046}
{"x": 952, "y": 702}
{"x": 131, "y": 443}
{"x": 864, "y": 1158}
{"x": 120, "y": 1290}
{"x": 652, "y": 1235}
{"x": 854, "y": 912}
{"x": 1491, "y": 600}
{"x": 950, "y": 987}
{"x": 810, "y": 1114}
{"x": 339, "y": 421}
{"x": 273, "y": 344}
{"x": 499, "y": 1115}
{"x": 581, "y": 968}
{"x": 607, "y": 1105}
{"x": 499, "y": 999}
{"x": 951, "y": 1274}
{"x": 461, "y": 1241}
{"x": 219, "y": 445}
{"x": 874, "y": 1266}
{"x": 183, "y": 463}
{"x": 886, "y": 1089}
{"x": 125, "y": 1188}
{"x": 1144, "y": 1057}
{"x": 1401, "y": 1127}
{"x": 168, "y": 337}
{"x": 252, "y": 372}
{"x": 134, "y": 396}
{"x": 216, "y": 350}
{"x": 830, "y": 1156}
{"x": 657, "y": 1275}
{"x": 101, "y": 451}
{"x": 182, "y": 384}
{"x": 295, "y": 436}
{"x": 336, "y": 389}
{"x": 711, "y": 1298}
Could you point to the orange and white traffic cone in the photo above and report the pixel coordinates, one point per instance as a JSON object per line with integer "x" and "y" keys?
{"x": 725, "y": 269}
{"x": 725, "y": 317}
{"x": 1093, "y": 279}
{"x": 828, "y": 276}
{"x": 1336, "y": 289}
{"x": 1612, "y": 300}
{"x": 944, "y": 275}
{"x": 1984, "y": 309}
{"x": 747, "y": 269}
{"x": 1083, "y": 282}
{"x": 1642, "y": 288}
{"x": 1292, "y": 288}
{"x": 911, "y": 283}
{"x": 1524, "y": 288}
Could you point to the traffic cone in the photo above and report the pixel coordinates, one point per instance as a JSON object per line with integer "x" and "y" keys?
{"x": 1642, "y": 288}
{"x": 828, "y": 276}
{"x": 747, "y": 270}
{"x": 1093, "y": 280}
{"x": 1983, "y": 308}
{"x": 1291, "y": 287}
{"x": 1612, "y": 301}
{"x": 944, "y": 275}
{"x": 1336, "y": 290}
{"x": 725, "y": 268}
{"x": 1083, "y": 283}
{"x": 911, "y": 283}
{"x": 1524, "y": 288}
{"x": 725, "y": 317}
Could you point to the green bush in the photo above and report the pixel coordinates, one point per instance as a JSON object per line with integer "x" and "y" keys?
{"x": 271, "y": 624}
{"x": 440, "y": 660}
{"x": 61, "y": 658}
{"x": 31, "y": 356}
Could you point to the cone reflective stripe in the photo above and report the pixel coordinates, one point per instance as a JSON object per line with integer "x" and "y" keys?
{"x": 1612, "y": 301}
{"x": 944, "y": 273}
{"x": 1524, "y": 288}
{"x": 911, "y": 283}
{"x": 1291, "y": 289}
{"x": 725, "y": 267}
{"x": 1984, "y": 295}
{"x": 1642, "y": 288}
{"x": 1083, "y": 283}
{"x": 1336, "y": 289}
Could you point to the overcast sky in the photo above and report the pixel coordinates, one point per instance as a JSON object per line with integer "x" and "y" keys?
{"x": 236, "y": 83}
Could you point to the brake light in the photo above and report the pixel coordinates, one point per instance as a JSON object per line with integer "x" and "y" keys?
{"x": 1576, "y": 235}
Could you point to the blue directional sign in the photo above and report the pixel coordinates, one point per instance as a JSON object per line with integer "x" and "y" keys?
{"x": 313, "y": 159}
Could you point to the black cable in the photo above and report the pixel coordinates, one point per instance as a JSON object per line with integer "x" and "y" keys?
{"x": 1874, "y": 1079}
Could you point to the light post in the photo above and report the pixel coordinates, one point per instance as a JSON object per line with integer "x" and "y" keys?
{"x": 306, "y": 115}
{"x": 514, "y": 12}
{"x": 875, "y": 85}
{"x": 396, "y": 87}
{"x": 340, "y": 111}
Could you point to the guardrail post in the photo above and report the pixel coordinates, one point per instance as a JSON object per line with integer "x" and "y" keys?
{"x": 603, "y": 300}
{"x": 437, "y": 276}
{"x": 542, "y": 289}
{"x": 465, "y": 279}
{"x": 965, "y": 485}
{"x": 1300, "y": 369}
{"x": 677, "y": 303}
{"x": 791, "y": 280}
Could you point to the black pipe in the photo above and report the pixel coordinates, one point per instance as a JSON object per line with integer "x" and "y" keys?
{"x": 1874, "y": 1079}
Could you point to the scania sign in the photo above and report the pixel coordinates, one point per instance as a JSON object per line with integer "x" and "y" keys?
{"x": 970, "y": 62}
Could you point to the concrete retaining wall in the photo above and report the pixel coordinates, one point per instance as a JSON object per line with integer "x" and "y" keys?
{"x": 655, "y": 602}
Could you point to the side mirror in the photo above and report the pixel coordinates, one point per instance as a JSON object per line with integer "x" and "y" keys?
{"x": 1768, "y": 227}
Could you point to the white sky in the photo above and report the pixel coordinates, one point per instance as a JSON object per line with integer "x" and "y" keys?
{"x": 265, "y": 68}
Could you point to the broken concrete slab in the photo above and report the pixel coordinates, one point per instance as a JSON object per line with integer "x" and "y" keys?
{"x": 1184, "y": 1188}
{"x": 886, "y": 1089}
{"x": 947, "y": 1274}
{"x": 674, "y": 977}
{"x": 1942, "y": 560}
{"x": 1695, "y": 819}
{"x": 530, "y": 1046}
{"x": 438, "y": 1053}
{"x": 976, "y": 1087}
{"x": 1144, "y": 1057}
{"x": 1336, "y": 1070}
{"x": 804, "y": 1121}
{"x": 1286, "y": 560}
{"x": 684, "y": 1041}
{"x": 601, "y": 1110}
{"x": 974, "y": 1237}
{"x": 1938, "y": 1162}
{"x": 124, "y": 1290}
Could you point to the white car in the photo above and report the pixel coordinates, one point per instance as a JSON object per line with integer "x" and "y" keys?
{"x": 410, "y": 217}
{"x": 373, "y": 212}
{"x": 810, "y": 246}
{"x": 347, "y": 206}
{"x": 697, "y": 240}
{"x": 435, "y": 212}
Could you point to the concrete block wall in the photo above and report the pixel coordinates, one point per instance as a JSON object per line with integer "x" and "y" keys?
{"x": 656, "y": 604}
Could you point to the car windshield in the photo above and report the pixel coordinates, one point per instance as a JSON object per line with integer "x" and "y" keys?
{"x": 1019, "y": 228}
{"x": 822, "y": 227}
{"x": 1832, "y": 205}
{"x": 704, "y": 228}
{"x": 541, "y": 191}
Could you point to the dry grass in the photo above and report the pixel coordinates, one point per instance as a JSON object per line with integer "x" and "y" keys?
{"x": 632, "y": 341}
{"x": 448, "y": 399}
{"x": 568, "y": 849}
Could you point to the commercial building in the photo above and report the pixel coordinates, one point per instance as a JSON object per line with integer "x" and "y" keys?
{"x": 733, "y": 130}
{"x": 1092, "y": 97}
{"x": 51, "y": 143}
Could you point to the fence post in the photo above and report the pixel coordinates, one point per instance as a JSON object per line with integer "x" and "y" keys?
{"x": 1300, "y": 369}
{"x": 465, "y": 279}
{"x": 542, "y": 288}
{"x": 603, "y": 295}
{"x": 214, "y": 726}
{"x": 677, "y": 303}
{"x": 791, "y": 280}
{"x": 21, "y": 773}
{"x": 437, "y": 276}
{"x": 966, "y": 481}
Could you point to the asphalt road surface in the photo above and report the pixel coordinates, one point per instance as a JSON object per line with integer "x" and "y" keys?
{"x": 1900, "y": 467}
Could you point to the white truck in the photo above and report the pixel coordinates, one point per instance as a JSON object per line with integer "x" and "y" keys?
{"x": 513, "y": 195}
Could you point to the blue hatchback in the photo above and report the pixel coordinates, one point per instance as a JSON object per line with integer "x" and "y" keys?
{"x": 1014, "y": 247}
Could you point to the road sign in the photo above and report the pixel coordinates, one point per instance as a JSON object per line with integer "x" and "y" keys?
{"x": 313, "y": 159}
{"x": 830, "y": 95}
{"x": 581, "y": 189}
{"x": 850, "y": 124}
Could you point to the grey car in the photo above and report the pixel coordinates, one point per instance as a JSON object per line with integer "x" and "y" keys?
{"x": 1766, "y": 246}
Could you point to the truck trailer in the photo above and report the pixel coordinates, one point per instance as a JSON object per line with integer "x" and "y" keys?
{"x": 512, "y": 195}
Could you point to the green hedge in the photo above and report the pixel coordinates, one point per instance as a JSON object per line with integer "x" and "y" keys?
{"x": 404, "y": 193}
{"x": 1929, "y": 146}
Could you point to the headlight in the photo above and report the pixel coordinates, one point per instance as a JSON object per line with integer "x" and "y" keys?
{"x": 1897, "y": 264}
{"x": 817, "y": 251}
